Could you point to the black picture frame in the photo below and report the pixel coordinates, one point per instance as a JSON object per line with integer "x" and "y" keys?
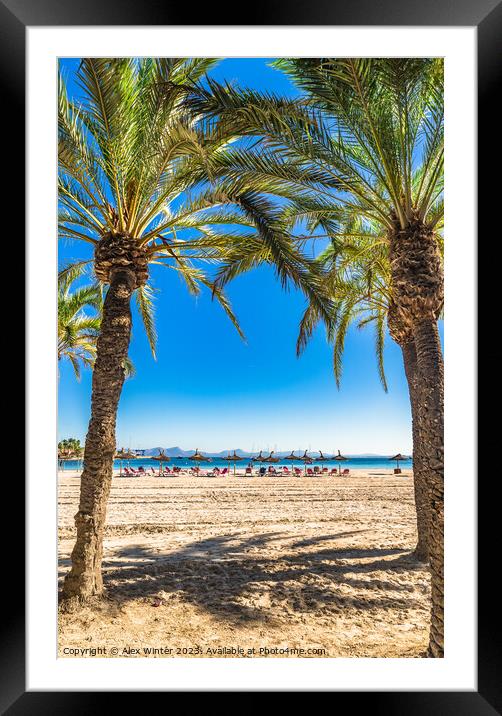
{"x": 486, "y": 15}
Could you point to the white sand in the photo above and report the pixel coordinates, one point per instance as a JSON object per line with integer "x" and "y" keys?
{"x": 198, "y": 563}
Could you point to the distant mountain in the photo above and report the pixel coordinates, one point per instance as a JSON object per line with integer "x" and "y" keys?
{"x": 172, "y": 451}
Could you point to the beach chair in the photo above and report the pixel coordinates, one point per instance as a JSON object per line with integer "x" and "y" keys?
{"x": 262, "y": 471}
{"x": 249, "y": 471}
{"x": 317, "y": 470}
{"x": 285, "y": 470}
{"x": 333, "y": 471}
{"x": 346, "y": 471}
{"x": 224, "y": 471}
{"x": 397, "y": 471}
{"x": 298, "y": 471}
{"x": 310, "y": 472}
{"x": 141, "y": 471}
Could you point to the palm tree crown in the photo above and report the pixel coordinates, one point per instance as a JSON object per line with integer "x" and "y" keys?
{"x": 77, "y": 330}
{"x": 140, "y": 181}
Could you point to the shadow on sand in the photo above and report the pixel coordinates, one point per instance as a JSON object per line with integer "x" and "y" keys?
{"x": 233, "y": 578}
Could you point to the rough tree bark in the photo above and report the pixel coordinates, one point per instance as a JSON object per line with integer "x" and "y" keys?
{"x": 84, "y": 579}
{"x": 418, "y": 295}
{"x": 422, "y": 497}
{"x": 431, "y": 406}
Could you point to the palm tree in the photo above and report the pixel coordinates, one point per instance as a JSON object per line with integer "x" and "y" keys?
{"x": 77, "y": 331}
{"x": 365, "y": 141}
{"x": 70, "y": 447}
{"x": 359, "y": 278}
{"x": 138, "y": 183}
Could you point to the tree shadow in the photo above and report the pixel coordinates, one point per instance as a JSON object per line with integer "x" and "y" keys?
{"x": 230, "y": 577}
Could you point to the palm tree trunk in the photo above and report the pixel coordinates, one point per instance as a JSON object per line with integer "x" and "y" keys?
{"x": 430, "y": 410}
{"x": 85, "y": 579}
{"x": 422, "y": 498}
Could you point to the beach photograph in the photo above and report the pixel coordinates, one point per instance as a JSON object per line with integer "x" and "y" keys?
{"x": 250, "y": 291}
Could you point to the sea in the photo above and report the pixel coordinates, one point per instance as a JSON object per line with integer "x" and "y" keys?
{"x": 355, "y": 463}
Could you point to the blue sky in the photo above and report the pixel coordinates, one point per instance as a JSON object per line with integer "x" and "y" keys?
{"x": 209, "y": 389}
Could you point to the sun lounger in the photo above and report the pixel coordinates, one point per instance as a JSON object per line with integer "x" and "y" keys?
{"x": 346, "y": 471}
{"x": 310, "y": 472}
{"x": 397, "y": 471}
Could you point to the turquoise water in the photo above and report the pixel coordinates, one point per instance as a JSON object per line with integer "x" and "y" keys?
{"x": 356, "y": 463}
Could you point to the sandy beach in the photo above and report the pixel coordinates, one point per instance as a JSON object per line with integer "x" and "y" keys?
{"x": 205, "y": 566}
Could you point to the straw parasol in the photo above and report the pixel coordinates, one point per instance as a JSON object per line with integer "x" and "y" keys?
{"x": 161, "y": 457}
{"x": 228, "y": 458}
{"x": 235, "y": 458}
{"x": 119, "y": 455}
{"x": 321, "y": 457}
{"x": 197, "y": 457}
{"x": 340, "y": 458}
{"x": 306, "y": 461}
{"x": 292, "y": 457}
{"x": 271, "y": 458}
{"x": 259, "y": 458}
{"x": 397, "y": 458}
{"x": 125, "y": 455}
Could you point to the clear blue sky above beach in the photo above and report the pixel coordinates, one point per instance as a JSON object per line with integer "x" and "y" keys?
{"x": 209, "y": 389}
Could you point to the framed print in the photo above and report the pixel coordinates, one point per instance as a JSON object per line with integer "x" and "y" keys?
{"x": 239, "y": 237}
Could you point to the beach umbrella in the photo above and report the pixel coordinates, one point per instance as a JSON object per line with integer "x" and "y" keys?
{"x": 271, "y": 458}
{"x": 129, "y": 455}
{"x": 340, "y": 458}
{"x": 119, "y": 455}
{"x": 397, "y": 458}
{"x": 235, "y": 458}
{"x": 228, "y": 458}
{"x": 258, "y": 458}
{"x": 161, "y": 457}
{"x": 321, "y": 458}
{"x": 197, "y": 457}
{"x": 125, "y": 455}
{"x": 292, "y": 457}
{"x": 306, "y": 460}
